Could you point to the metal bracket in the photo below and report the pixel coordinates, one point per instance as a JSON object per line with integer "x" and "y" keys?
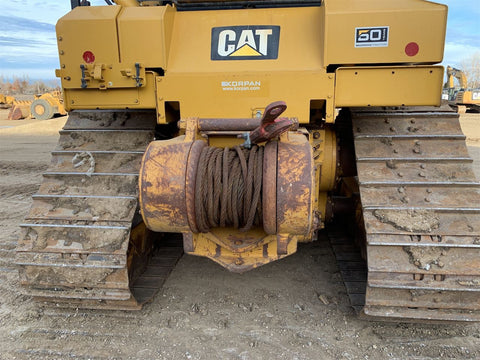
{"x": 137, "y": 75}
{"x": 248, "y": 143}
{"x": 84, "y": 80}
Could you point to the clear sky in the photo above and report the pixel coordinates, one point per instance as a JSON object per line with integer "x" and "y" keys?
{"x": 28, "y": 45}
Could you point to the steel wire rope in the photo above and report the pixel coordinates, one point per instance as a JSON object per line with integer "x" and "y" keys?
{"x": 228, "y": 188}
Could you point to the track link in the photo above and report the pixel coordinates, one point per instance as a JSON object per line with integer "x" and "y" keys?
{"x": 421, "y": 205}
{"x": 83, "y": 243}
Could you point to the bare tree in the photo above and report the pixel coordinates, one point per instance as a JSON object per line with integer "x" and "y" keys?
{"x": 24, "y": 82}
{"x": 23, "y": 85}
{"x": 471, "y": 68}
{"x": 39, "y": 87}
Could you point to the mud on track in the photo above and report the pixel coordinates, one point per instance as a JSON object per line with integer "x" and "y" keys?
{"x": 295, "y": 308}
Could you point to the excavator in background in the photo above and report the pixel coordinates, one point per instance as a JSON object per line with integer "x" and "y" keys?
{"x": 460, "y": 98}
{"x": 43, "y": 107}
{"x": 237, "y": 130}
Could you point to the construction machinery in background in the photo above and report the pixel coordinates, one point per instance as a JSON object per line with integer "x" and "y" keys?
{"x": 20, "y": 109}
{"x": 47, "y": 105}
{"x": 6, "y": 101}
{"x": 244, "y": 128}
{"x": 43, "y": 107}
{"x": 461, "y": 98}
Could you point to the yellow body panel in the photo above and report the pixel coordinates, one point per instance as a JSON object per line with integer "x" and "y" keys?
{"x": 175, "y": 48}
{"x": 264, "y": 250}
{"x": 389, "y": 86}
{"x": 468, "y": 97}
{"x": 133, "y": 97}
{"x": 299, "y": 49}
{"x": 221, "y": 95}
{"x": 408, "y": 21}
{"x": 133, "y": 24}
{"x": 87, "y": 29}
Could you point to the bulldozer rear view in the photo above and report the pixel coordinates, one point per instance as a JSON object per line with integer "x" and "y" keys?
{"x": 240, "y": 129}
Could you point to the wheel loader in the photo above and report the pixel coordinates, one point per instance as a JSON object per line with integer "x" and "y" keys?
{"x": 237, "y": 130}
{"x": 43, "y": 107}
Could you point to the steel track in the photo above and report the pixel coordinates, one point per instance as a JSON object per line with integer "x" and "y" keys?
{"x": 82, "y": 242}
{"x": 421, "y": 204}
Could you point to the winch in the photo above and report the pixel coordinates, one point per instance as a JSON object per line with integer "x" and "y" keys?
{"x": 242, "y": 206}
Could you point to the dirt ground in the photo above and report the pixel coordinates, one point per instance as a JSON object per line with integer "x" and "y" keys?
{"x": 203, "y": 312}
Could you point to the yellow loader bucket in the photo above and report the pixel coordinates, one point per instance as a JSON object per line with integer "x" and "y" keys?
{"x": 19, "y": 110}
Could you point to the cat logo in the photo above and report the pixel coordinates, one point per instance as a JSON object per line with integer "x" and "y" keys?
{"x": 253, "y": 42}
{"x": 371, "y": 36}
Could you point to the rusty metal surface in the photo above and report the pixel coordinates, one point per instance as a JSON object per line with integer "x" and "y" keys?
{"x": 162, "y": 185}
{"x": 190, "y": 183}
{"x": 216, "y": 196}
{"x": 269, "y": 195}
{"x": 295, "y": 186}
{"x": 76, "y": 246}
{"x": 233, "y": 124}
{"x": 420, "y": 206}
{"x": 240, "y": 252}
{"x": 228, "y": 124}
{"x": 271, "y": 124}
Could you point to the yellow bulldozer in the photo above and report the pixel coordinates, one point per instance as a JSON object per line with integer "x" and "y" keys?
{"x": 43, "y": 107}
{"x": 237, "y": 130}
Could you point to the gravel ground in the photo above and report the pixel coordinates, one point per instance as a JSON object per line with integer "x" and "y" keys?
{"x": 295, "y": 308}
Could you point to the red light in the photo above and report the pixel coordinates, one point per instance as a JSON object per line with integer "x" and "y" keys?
{"x": 412, "y": 49}
{"x": 88, "y": 57}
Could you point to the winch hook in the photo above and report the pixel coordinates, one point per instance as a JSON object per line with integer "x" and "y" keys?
{"x": 271, "y": 125}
